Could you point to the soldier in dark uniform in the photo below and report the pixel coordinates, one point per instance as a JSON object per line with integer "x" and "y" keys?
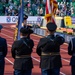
{"x": 71, "y": 51}
{"x": 49, "y": 51}
{"x": 27, "y": 26}
{"x": 3, "y": 52}
{"x": 21, "y": 52}
{"x": 25, "y": 20}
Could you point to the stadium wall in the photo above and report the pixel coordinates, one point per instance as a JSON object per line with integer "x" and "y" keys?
{"x": 14, "y": 19}
{"x": 5, "y": 20}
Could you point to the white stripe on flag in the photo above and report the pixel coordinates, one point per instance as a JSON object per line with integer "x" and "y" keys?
{"x": 49, "y": 8}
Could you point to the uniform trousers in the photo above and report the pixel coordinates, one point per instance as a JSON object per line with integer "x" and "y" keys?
{"x": 22, "y": 72}
{"x": 73, "y": 69}
{"x": 2, "y": 65}
{"x": 55, "y": 71}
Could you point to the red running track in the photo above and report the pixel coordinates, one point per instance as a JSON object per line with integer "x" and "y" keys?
{"x": 8, "y": 33}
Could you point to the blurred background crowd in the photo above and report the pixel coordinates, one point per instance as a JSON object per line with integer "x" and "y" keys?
{"x": 66, "y": 8}
{"x": 35, "y": 7}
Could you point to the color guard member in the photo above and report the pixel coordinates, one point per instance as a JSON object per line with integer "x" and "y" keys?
{"x": 21, "y": 52}
{"x": 49, "y": 51}
{"x": 3, "y": 52}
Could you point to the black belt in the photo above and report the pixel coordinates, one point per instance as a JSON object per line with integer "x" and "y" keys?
{"x": 52, "y": 53}
{"x": 23, "y": 56}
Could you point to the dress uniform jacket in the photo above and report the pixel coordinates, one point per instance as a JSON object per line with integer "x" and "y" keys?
{"x": 18, "y": 49}
{"x": 71, "y": 51}
{"x": 3, "y": 47}
{"x": 3, "y": 53}
{"x": 44, "y": 45}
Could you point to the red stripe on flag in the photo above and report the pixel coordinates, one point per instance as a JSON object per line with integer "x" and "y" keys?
{"x": 47, "y": 11}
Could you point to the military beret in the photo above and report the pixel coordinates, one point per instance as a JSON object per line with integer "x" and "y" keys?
{"x": 51, "y": 26}
{"x": 25, "y": 17}
{"x": 24, "y": 30}
{"x": 1, "y": 27}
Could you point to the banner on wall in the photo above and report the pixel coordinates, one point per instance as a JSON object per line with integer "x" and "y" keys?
{"x": 8, "y": 19}
{"x": 14, "y": 19}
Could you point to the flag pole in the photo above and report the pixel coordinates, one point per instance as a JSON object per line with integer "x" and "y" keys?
{"x": 20, "y": 20}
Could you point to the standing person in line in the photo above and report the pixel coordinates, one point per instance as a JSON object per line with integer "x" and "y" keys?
{"x": 27, "y": 26}
{"x": 21, "y": 52}
{"x": 25, "y": 20}
{"x": 3, "y": 52}
{"x": 49, "y": 51}
{"x": 71, "y": 51}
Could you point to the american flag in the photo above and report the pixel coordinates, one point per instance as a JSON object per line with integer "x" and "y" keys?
{"x": 51, "y": 7}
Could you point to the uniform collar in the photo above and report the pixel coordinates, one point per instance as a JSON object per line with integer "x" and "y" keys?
{"x": 23, "y": 37}
{"x": 51, "y": 36}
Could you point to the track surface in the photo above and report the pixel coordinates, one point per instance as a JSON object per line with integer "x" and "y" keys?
{"x": 8, "y": 33}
